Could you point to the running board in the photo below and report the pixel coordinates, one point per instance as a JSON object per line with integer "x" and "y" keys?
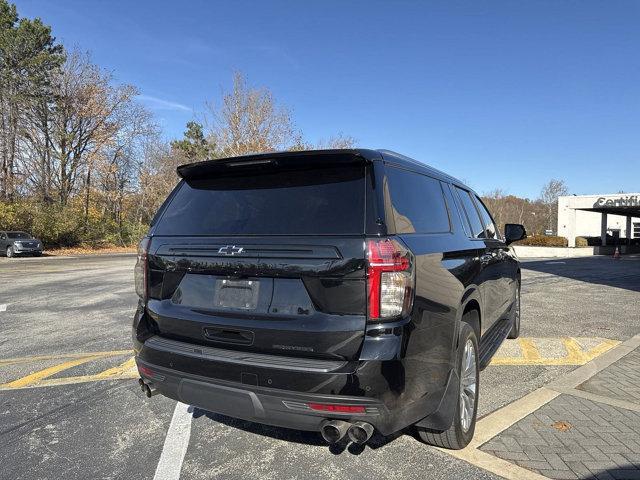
{"x": 492, "y": 340}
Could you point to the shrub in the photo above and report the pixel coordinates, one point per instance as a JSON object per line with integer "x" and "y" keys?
{"x": 68, "y": 226}
{"x": 544, "y": 241}
{"x": 582, "y": 242}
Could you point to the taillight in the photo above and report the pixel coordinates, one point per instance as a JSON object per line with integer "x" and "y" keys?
{"x": 140, "y": 271}
{"x": 147, "y": 372}
{"x": 389, "y": 279}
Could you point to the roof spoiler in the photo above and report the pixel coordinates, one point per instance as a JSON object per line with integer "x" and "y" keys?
{"x": 268, "y": 161}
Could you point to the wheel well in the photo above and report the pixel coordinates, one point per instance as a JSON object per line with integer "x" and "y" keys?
{"x": 473, "y": 320}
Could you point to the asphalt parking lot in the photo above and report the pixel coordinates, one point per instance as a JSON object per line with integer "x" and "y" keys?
{"x": 70, "y": 406}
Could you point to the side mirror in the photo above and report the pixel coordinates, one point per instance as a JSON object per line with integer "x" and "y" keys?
{"x": 514, "y": 232}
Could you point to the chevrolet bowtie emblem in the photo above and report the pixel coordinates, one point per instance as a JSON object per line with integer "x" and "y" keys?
{"x": 230, "y": 250}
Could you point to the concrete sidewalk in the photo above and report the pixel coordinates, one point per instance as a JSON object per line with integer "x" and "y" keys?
{"x": 585, "y": 425}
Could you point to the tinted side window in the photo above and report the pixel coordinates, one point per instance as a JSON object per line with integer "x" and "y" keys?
{"x": 477, "y": 229}
{"x": 418, "y": 203}
{"x": 490, "y": 228}
{"x": 453, "y": 198}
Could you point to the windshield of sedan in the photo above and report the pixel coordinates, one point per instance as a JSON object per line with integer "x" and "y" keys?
{"x": 18, "y": 235}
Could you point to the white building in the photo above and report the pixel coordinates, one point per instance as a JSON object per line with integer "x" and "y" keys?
{"x": 616, "y": 215}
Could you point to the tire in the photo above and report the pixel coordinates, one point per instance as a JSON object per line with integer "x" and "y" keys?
{"x": 515, "y": 316}
{"x": 10, "y": 253}
{"x": 460, "y": 433}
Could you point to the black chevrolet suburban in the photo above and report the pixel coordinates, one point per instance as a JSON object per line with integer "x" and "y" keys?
{"x": 339, "y": 291}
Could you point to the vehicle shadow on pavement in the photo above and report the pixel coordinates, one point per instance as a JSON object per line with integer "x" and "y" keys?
{"x": 598, "y": 270}
{"x": 624, "y": 471}
{"x": 298, "y": 436}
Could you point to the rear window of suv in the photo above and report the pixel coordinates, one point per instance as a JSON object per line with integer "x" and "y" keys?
{"x": 318, "y": 201}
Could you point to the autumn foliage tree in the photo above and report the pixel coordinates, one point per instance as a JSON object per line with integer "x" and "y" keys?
{"x": 82, "y": 160}
{"x": 247, "y": 120}
{"x": 507, "y": 208}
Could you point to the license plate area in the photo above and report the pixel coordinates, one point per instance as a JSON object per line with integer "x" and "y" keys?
{"x": 236, "y": 294}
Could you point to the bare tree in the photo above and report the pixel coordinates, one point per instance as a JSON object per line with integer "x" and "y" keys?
{"x": 549, "y": 197}
{"x": 157, "y": 176}
{"x": 118, "y": 162}
{"x": 249, "y": 121}
{"x": 67, "y": 134}
{"x": 494, "y": 200}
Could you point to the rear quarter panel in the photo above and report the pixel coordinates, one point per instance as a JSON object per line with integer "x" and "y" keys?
{"x": 447, "y": 269}
{"x": 445, "y": 272}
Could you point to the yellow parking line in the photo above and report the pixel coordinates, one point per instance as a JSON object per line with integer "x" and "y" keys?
{"x": 598, "y": 350}
{"x": 54, "y": 382}
{"x": 542, "y": 361}
{"x": 10, "y": 361}
{"x": 575, "y": 353}
{"x": 119, "y": 370}
{"x": 126, "y": 370}
{"x": 529, "y": 350}
{"x": 47, "y": 372}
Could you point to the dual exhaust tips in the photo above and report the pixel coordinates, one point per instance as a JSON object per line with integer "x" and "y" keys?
{"x": 334, "y": 430}
{"x": 147, "y": 388}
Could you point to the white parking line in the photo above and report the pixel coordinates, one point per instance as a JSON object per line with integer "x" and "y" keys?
{"x": 3, "y": 307}
{"x": 175, "y": 444}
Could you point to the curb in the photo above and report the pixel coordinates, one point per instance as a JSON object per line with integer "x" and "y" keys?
{"x": 588, "y": 370}
{"x": 498, "y": 421}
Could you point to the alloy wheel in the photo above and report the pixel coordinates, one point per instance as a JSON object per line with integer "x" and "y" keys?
{"x": 517, "y": 317}
{"x": 468, "y": 385}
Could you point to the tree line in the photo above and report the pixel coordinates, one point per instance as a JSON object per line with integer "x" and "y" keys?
{"x": 538, "y": 216}
{"x": 83, "y": 161}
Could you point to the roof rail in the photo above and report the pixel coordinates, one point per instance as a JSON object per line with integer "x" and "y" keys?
{"x": 420, "y": 164}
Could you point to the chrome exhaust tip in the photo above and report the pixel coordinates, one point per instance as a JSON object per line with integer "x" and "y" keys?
{"x": 360, "y": 432}
{"x": 147, "y": 388}
{"x": 333, "y": 430}
{"x": 150, "y": 391}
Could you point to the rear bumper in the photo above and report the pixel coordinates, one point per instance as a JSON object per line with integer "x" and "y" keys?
{"x": 392, "y": 393}
{"x": 269, "y": 406}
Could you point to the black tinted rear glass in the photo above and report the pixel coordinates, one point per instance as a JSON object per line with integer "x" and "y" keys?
{"x": 418, "y": 203}
{"x": 319, "y": 201}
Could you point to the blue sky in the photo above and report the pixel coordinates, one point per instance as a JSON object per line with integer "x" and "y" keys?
{"x": 503, "y": 94}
